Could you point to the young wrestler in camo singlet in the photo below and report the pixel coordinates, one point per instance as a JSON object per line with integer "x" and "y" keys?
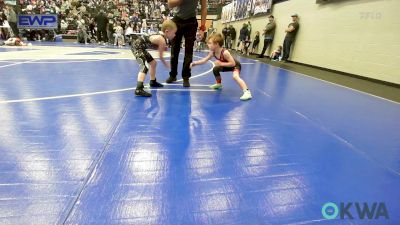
{"x": 139, "y": 50}
{"x": 225, "y": 62}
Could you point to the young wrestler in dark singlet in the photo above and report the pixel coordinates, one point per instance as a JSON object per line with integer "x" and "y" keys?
{"x": 225, "y": 62}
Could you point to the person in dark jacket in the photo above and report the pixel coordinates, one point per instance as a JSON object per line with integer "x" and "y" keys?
{"x": 232, "y": 32}
{"x": 244, "y": 38}
{"x": 101, "y": 21}
{"x": 226, "y": 34}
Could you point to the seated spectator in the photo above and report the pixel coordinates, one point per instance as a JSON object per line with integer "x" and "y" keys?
{"x": 276, "y": 54}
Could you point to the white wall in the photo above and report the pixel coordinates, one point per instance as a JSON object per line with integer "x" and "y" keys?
{"x": 360, "y": 37}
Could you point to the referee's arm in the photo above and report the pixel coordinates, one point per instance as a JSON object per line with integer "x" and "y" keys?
{"x": 173, "y": 3}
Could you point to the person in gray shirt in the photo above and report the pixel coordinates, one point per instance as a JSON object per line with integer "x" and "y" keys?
{"x": 12, "y": 20}
{"x": 291, "y": 32}
{"x": 269, "y": 33}
{"x": 185, "y": 19}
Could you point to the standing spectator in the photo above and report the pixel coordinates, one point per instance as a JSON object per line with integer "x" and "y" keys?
{"x": 81, "y": 36}
{"x": 185, "y": 19}
{"x": 244, "y": 33}
{"x": 225, "y": 32}
{"x": 144, "y": 28}
{"x": 64, "y": 26}
{"x": 291, "y": 32}
{"x": 211, "y": 30}
{"x": 119, "y": 35}
{"x": 110, "y": 30}
{"x": 269, "y": 33}
{"x": 255, "y": 43}
{"x": 12, "y": 20}
{"x": 232, "y": 32}
{"x": 80, "y": 21}
{"x": 198, "y": 42}
{"x": 101, "y": 21}
{"x": 92, "y": 26}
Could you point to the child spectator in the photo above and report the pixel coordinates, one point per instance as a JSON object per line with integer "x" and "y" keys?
{"x": 255, "y": 43}
{"x": 277, "y": 53}
{"x": 119, "y": 35}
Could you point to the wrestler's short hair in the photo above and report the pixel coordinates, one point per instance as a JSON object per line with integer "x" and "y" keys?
{"x": 216, "y": 38}
{"x": 168, "y": 25}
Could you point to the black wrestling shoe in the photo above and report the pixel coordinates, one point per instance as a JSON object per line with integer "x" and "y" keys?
{"x": 170, "y": 80}
{"x": 154, "y": 83}
{"x": 186, "y": 83}
{"x": 142, "y": 93}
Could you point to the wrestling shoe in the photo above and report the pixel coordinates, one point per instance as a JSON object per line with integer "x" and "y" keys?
{"x": 142, "y": 93}
{"x": 246, "y": 95}
{"x": 154, "y": 83}
{"x": 216, "y": 86}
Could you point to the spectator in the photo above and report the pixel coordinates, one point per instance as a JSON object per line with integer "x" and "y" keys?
{"x": 242, "y": 36}
{"x": 88, "y": 11}
{"x": 198, "y": 43}
{"x": 110, "y": 30}
{"x": 226, "y": 34}
{"x": 101, "y": 21}
{"x": 211, "y": 30}
{"x": 119, "y": 35}
{"x": 291, "y": 32}
{"x": 269, "y": 33}
{"x": 255, "y": 43}
{"x": 249, "y": 27}
{"x": 12, "y": 20}
{"x": 232, "y": 32}
{"x": 277, "y": 53}
{"x": 82, "y": 36}
{"x": 64, "y": 26}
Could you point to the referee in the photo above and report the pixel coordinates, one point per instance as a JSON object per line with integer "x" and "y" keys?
{"x": 185, "y": 19}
